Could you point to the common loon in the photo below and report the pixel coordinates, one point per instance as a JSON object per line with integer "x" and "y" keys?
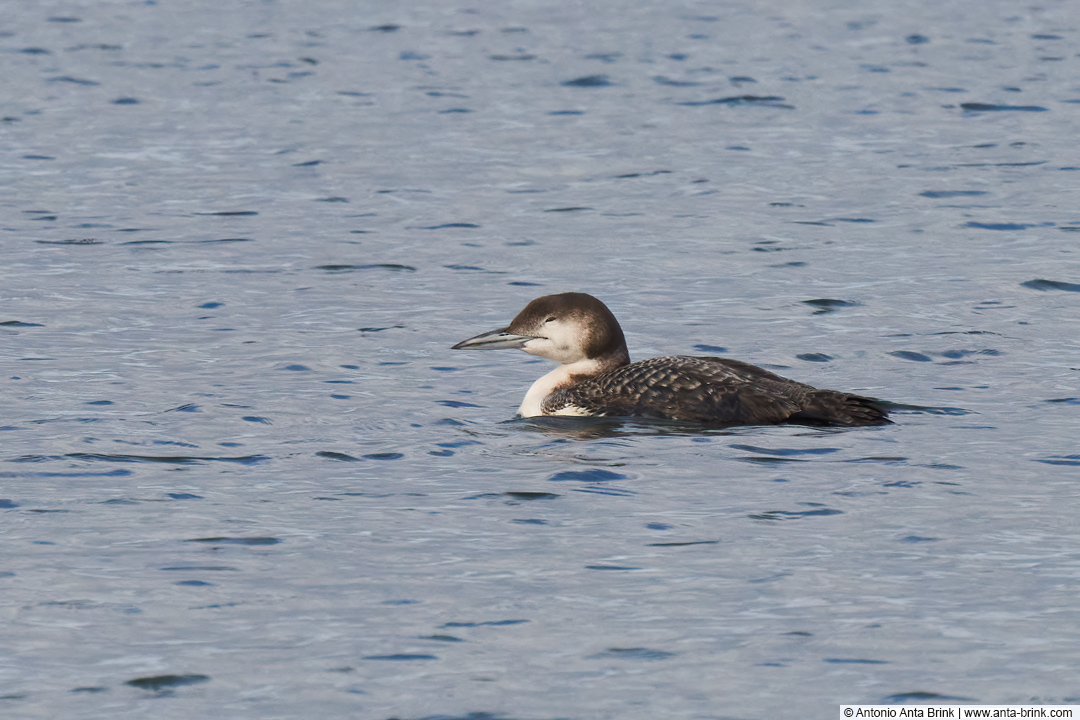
{"x": 596, "y": 378}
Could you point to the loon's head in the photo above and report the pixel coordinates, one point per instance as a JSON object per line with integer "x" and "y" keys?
{"x": 566, "y": 328}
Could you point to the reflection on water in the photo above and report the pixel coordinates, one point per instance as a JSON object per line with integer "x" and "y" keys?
{"x": 586, "y": 428}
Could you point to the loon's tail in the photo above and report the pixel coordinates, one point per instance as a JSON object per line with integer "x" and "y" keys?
{"x": 828, "y": 407}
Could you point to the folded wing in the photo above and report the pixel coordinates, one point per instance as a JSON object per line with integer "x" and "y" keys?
{"x": 711, "y": 390}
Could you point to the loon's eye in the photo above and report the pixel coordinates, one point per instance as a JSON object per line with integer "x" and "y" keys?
{"x": 550, "y": 319}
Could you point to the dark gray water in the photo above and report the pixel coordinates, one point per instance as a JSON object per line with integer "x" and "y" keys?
{"x": 243, "y": 476}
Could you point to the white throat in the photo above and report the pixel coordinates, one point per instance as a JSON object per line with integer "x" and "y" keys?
{"x": 557, "y": 378}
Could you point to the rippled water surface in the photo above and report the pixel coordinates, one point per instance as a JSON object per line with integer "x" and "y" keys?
{"x": 243, "y": 476}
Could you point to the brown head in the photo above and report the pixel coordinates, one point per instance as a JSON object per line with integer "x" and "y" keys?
{"x": 567, "y": 328}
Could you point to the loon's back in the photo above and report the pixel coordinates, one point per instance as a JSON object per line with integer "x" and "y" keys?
{"x": 710, "y": 390}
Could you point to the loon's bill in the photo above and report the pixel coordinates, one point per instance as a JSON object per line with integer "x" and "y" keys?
{"x": 596, "y": 378}
{"x": 494, "y": 340}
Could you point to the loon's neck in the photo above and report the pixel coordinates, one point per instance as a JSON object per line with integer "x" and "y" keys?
{"x": 565, "y": 375}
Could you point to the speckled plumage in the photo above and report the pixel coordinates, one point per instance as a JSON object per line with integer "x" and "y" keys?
{"x": 710, "y": 390}
{"x": 596, "y": 378}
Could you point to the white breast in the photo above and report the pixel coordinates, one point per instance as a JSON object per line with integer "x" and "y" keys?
{"x": 560, "y": 376}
